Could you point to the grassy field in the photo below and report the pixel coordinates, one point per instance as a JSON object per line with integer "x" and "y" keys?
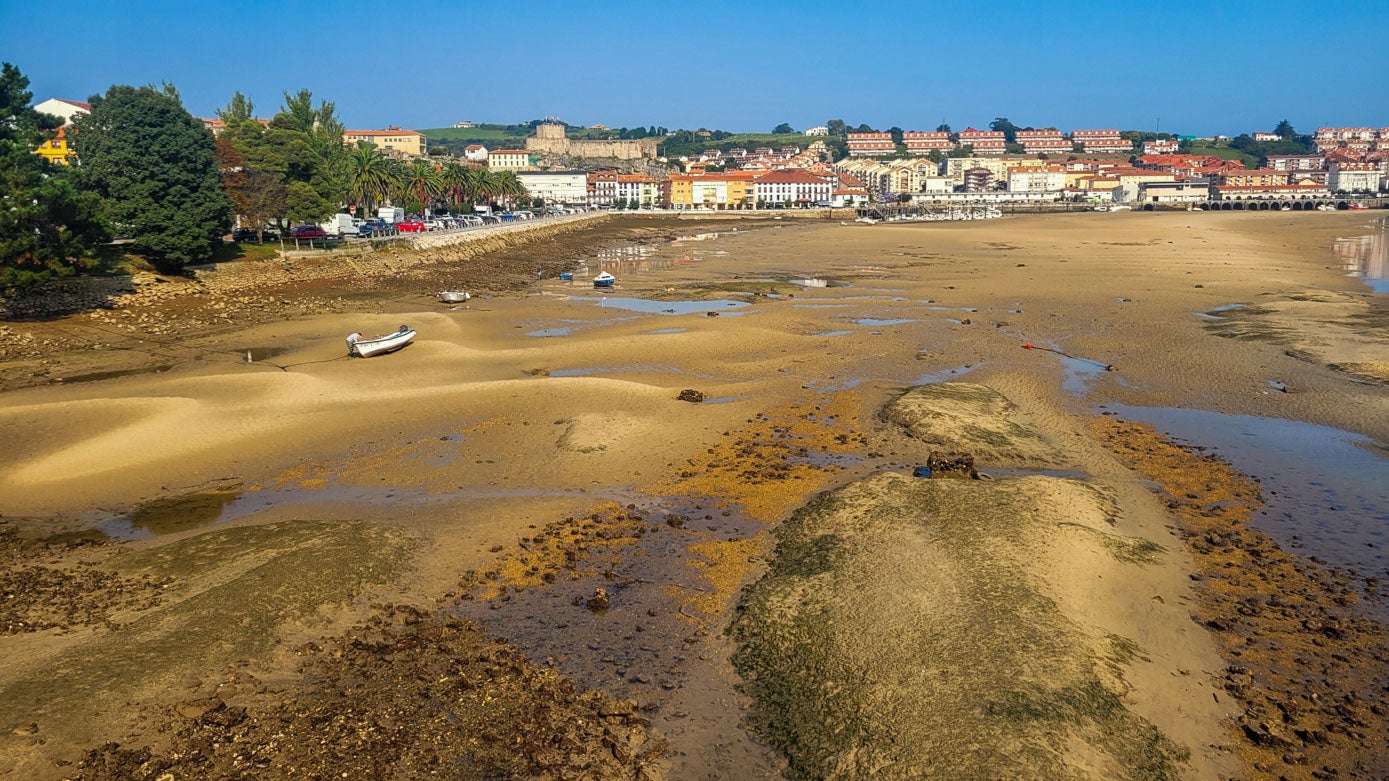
{"x": 466, "y": 134}
{"x": 1224, "y": 153}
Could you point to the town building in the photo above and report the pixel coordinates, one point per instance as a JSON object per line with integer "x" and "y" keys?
{"x": 919, "y": 143}
{"x": 509, "y": 159}
{"x": 1184, "y": 192}
{"x": 1049, "y": 141}
{"x": 792, "y": 188}
{"x": 464, "y": 124}
{"x": 607, "y": 187}
{"x": 1101, "y": 141}
{"x": 475, "y": 153}
{"x": 727, "y": 190}
{"x": 1260, "y": 135}
{"x": 870, "y": 144}
{"x": 1161, "y": 146}
{"x": 978, "y": 179}
{"x": 1131, "y": 179}
{"x": 955, "y": 167}
{"x": 56, "y": 149}
{"x": 1036, "y": 179}
{"x": 849, "y": 191}
{"x": 556, "y": 187}
{"x": 1354, "y": 177}
{"x": 984, "y": 142}
{"x": 818, "y": 130}
{"x": 63, "y": 108}
{"x": 1254, "y": 177}
{"x": 1295, "y": 162}
{"x": 407, "y": 142}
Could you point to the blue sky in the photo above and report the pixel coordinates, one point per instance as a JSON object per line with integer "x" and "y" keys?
{"x": 1194, "y": 67}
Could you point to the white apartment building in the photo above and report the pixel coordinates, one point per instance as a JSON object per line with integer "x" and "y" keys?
{"x": 868, "y": 144}
{"x": 918, "y": 142}
{"x": 819, "y": 130}
{"x": 955, "y": 168}
{"x": 794, "y": 187}
{"x": 509, "y": 159}
{"x": 1041, "y": 179}
{"x": 555, "y": 187}
{"x": 1035, "y": 142}
{"x": 1354, "y": 177}
{"x": 1101, "y": 141}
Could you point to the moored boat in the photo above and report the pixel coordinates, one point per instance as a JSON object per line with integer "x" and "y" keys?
{"x": 365, "y": 348}
{"x": 604, "y": 280}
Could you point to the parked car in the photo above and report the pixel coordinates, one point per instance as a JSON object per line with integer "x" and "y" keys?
{"x": 410, "y": 226}
{"x": 251, "y": 234}
{"x": 378, "y": 228}
{"x": 307, "y": 232}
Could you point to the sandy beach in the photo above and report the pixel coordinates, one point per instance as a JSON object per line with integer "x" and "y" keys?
{"x": 511, "y": 549}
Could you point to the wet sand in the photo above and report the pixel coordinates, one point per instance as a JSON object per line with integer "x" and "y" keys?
{"x": 529, "y": 449}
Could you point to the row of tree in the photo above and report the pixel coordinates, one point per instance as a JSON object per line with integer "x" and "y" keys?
{"x": 152, "y": 174}
{"x": 295, "y": 168}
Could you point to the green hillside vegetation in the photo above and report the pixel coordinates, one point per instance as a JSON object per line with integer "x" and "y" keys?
{"x": 1220, "y": 149}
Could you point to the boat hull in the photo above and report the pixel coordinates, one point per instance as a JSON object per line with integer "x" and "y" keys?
{"x": 366, "y": 348}
{"x": 454, "y": 296}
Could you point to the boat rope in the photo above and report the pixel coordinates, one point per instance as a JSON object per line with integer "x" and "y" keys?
{"x": 1109, "y": 367}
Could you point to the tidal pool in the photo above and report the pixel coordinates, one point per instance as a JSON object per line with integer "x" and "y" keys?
{"x": 1326, "y": 491}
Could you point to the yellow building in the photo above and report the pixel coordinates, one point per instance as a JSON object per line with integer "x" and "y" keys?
{"x": 410, "y": 142}
{"x": 55, "y": 150}
{"x": 729, "y": 190}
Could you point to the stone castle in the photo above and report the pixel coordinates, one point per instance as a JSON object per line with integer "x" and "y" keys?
{"x": 549, "y": 138}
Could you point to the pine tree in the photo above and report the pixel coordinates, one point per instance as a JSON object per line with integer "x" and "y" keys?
{"x": 153, "y": 165}
{"x": 47, "y": 227}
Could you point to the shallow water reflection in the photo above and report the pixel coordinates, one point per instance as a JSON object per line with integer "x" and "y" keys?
{"x": 1367, "y": 257}
{"x": 1326, "y": 490}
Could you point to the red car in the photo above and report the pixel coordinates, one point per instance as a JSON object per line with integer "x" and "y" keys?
{"x": 410, "y": 226}
{"x": 307, "y": 232}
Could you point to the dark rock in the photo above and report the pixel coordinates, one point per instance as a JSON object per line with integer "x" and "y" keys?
{"x": 958, "y": 466}
{"x": 690, "y": 395}
{"x": 599, "y": 601}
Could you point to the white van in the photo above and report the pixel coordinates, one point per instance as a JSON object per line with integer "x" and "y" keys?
{"x": 391, "y": 214}
{"x": 339, "y": 225}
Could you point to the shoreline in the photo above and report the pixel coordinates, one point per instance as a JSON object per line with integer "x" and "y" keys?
{"x": 497, "y": 436}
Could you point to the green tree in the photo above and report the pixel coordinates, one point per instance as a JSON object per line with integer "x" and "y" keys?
{"x": 1009, "y": 130}
{"x": 423, "y": 182}
{"x": 454, "y": 179}
{"x": 47, "y": 227}
{"x": 943, "y": 128}
{"x": 509, "y": 186}
{"x": 1284, "y": 130}
{"x": 837, "y": 127}
{"x": 256, "y": 196}
{"x": 371, "y": 177}
{"x": 153, "y": 165}
{"x": 783, "y": 128}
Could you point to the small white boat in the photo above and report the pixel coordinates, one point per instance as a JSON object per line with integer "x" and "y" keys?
{"x": 604, "y": 279}
{"x": 454, "y": 296}
{"x": 365, "y": 348}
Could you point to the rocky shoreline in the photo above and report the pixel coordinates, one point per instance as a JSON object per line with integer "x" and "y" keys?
{"x": 1305, "y": 666}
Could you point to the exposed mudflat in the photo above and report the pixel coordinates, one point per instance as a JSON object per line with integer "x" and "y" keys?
{"x": 515, "y": 548}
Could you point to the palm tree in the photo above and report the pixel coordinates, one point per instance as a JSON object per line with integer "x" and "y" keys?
{"x": 371, "y": 176}
{"x": 509, "y": 187}
{"x": 423, "y": 181}
{"x": 482, "y": 185}
{"x": 455, "y": 181}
